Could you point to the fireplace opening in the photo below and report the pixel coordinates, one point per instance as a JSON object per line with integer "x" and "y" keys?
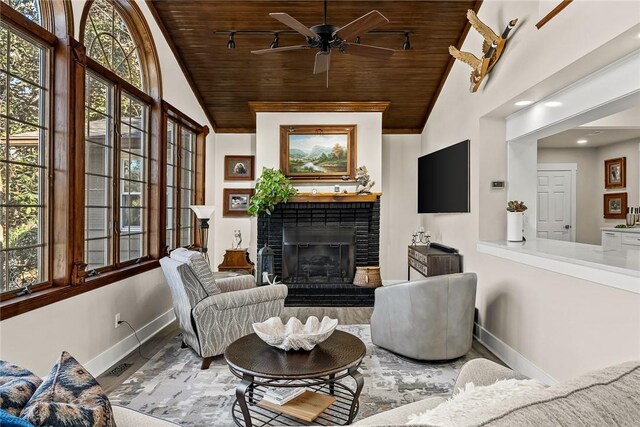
{"x": 318, "y": 254}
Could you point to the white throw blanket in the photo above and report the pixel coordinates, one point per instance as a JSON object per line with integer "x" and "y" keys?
{"x": 462, "y": 409}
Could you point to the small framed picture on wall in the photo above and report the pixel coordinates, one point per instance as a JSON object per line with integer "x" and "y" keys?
{"x": 615, "y": 205}
{"x": 236, "y": 201}
{"x": 615, "y": 173}
{"x": 238, "y": 168}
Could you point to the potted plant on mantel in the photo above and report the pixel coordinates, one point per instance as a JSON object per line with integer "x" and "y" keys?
{"x": 271, "y": 188}
{"x": 515, "y": 219}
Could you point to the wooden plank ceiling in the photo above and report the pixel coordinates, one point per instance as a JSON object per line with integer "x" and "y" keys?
{"x": 227, "y": 79}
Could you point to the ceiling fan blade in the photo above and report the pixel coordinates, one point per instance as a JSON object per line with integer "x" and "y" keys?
{"x": 280, "y": 49}
{"x": 323, "y": 61}
{"x": 368, "y": 51}
{"x": 361, "y": 25}
{"x": 293, "y": 23}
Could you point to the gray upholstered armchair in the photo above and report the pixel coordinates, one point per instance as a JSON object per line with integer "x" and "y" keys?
{"x": 214, "y": 313}
{"x": 429, "y": 319}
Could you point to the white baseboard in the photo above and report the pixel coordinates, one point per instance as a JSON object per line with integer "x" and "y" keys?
{"x": 99, "y": 364}
{"x": 511, "y": 357}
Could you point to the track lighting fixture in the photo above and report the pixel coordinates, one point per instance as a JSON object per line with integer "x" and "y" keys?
{"x": 231, "y": 44}
{"x": 358, "y": 40}
{"x": 274, "y": 43}
{"x": 407, "y": 43}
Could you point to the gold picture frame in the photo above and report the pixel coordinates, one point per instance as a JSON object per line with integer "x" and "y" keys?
{"x": 318, "y": 152}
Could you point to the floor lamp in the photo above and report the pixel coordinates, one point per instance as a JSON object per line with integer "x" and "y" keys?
{"x": 203, "y": 213}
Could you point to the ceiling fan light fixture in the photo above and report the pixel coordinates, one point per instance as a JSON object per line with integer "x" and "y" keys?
{"x": 231, "y": 44}
{"x": 275, "y": 42}
{"x": 407, "y": 42}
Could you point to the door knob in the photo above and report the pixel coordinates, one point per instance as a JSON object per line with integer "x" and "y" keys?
{"x": 566, "y": 227}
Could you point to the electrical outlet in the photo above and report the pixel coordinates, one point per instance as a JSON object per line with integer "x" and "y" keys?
{"x": 117, "y": 322}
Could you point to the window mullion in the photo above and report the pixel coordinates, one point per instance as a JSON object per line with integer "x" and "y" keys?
{"x": 176, "y": 185}
{"x": 117, "y": 159}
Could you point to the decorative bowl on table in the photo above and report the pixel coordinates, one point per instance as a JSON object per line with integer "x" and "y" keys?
{"x": 294, "y": 335}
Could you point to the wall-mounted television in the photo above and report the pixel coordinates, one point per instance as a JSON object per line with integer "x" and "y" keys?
{"x": 443, "y": 180}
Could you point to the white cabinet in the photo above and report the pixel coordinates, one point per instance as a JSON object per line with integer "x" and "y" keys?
{"x": 618, "y": 240}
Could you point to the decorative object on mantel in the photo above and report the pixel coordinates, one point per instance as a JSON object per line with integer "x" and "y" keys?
{"x": 318, "y": 152}
{"x": 491, "y": 50}
{"x": 203, "y": 213}
{"x": 294, "y": 335}
{"x": 615, "y": 173}
{"x": 615, "y": 205}
{"x": 272, "y": 187}
{"x": 238, "y": 168}
{"x": 367, "y": 277}
{"x": 515, "y": 220}
{"x": 421, "y": 237}
{"x": 364, "y": 181}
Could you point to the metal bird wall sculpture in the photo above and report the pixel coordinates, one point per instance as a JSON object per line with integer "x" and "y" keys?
{"x": 492, "y": 48}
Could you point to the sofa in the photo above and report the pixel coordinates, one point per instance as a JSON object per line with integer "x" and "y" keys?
{"x": 608, "y": 397}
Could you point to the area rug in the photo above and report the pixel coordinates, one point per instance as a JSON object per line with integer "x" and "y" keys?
{"x": 173, "y": 387}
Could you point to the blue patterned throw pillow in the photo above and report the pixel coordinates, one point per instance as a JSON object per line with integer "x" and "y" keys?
{"x": 69, "y": 396}
{"x": 8, "y": 420}
{"x": 17, "y": 385}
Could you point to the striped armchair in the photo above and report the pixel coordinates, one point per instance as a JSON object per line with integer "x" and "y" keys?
{"x": 214, "y": 313}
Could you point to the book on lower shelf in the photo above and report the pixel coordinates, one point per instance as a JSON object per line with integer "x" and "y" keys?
{"x": 280, "y": 396}
{"x": 307, "y": 406}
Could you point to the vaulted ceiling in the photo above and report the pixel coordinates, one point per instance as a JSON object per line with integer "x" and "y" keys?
{"x": 226, "y": 80}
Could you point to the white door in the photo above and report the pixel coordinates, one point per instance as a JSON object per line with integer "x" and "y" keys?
{"x": 554, "y": 205}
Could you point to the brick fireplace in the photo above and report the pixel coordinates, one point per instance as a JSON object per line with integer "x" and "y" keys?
{"x": 317, "y": 246}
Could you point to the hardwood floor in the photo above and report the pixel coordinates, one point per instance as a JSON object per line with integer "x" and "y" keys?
{"x": 346, "y": 316}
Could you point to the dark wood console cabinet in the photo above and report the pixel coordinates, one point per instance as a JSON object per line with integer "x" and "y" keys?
{"x": 236, "y": 260}
{"x": 434, "y": 260}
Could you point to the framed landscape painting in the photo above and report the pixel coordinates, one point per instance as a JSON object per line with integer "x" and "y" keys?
{"x": 236, "y": 201}
{"x": 238, "y": 168}
{"x": 318, "y": 153}
{"x": 615, "y": 173}
{"x": 615, "y": 205}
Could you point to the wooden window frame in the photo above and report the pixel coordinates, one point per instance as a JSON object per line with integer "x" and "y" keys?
{"x": 171, "y": 113}
{"x": 68, "y": 62}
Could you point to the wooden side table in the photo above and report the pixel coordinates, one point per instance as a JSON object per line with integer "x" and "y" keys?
{"x": 236, "y": 260}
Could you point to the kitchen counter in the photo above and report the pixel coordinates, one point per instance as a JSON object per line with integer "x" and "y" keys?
{"x": 622, "y": 230}
{"x": 615, "y": 268}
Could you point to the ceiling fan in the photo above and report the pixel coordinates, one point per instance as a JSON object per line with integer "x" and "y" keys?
{"x": 327, "y": 37}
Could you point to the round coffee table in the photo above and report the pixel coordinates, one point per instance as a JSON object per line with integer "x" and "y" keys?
{"x": 330, "y": 368}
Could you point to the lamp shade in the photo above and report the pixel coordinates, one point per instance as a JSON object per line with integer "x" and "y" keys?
{"x": 203, "y": 211}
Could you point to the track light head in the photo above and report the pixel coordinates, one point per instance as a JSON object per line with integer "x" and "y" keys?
{"x": 358, "y": 41}
{"x": 274, "y": 43}
{"x": 231, "y": 44}
{"x": 407, "y": 43}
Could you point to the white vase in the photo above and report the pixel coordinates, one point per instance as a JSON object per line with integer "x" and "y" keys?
{"x": 514, "y": 226}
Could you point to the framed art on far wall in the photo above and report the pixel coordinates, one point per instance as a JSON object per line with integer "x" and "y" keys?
{"x": 238, "y": 168}
{"x": 615, "y": 205}
{"x": 615, "y": 173}
{"x": 318, "y": 152}
{"x": 236, "y": 201}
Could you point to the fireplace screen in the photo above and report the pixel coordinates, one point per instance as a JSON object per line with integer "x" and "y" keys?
{"x": 318, "y": 254}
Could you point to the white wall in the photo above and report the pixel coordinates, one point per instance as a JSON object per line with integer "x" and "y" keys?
{"x": 84, "y": 324}
{"x": 564, "y": 326}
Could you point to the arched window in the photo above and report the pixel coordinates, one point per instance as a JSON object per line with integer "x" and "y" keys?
{"x": 25, "y": 91}
{"x": 118, "y": 147}
{"x": 108, "y": 40}
{"x": 29, "y": 8}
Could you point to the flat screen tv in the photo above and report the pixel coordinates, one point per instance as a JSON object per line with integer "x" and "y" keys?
{"x": 443, "y": 180}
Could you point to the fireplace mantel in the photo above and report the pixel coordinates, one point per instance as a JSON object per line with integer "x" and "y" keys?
{"x": 334, "y": 198}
